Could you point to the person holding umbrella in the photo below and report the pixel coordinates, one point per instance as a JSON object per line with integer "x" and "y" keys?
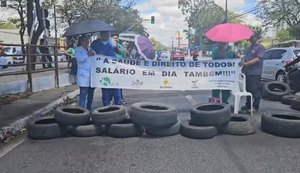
{"x": 84, "y": 54}
{"x": 221, "y": 52}
{"x": 252, "y": 67}
{"x": 105, "y": 46}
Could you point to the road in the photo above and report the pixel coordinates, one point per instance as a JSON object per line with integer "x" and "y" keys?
{"x": 260, "y": 152}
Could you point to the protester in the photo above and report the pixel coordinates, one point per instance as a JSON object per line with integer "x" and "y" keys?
{"x": 70, "y": 53}
{"x": 252, "y": 68}
{"x": 222, "y": 52}
{"x": 45, "y": 50}
{"x": 83, "y": 54}
{"x": 72, "y": 62}
{"x": 119, "y": 55}
{"x": 107, "y": 47}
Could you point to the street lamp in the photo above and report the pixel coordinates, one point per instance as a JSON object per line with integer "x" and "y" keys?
{"x": 226, "y": 12}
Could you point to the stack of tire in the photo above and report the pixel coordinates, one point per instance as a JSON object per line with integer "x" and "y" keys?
{"x": 112, "y": 120}
{"x": 159, "y": 120}
{"x": 209, "y": 119}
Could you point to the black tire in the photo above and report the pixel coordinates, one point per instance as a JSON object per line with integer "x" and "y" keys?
{"x": 287, "y": 99}
{"x": 124, "y": 129}
{"x": 109, "y": 115}
{"x": 153, "y": 114}
{"x": 275, "y": 90}
{"x": 281, "y": 124}
{"x": 88, "y": 130}
{"x": 210, "y": 114}
{"x": 295, "y": 103}
{"x": 196, "y": 132}
{"x": 72, "y": 116}
{"x": 45, "y": 128}
{"x": 238, "y": 125}
{"x": 164, "y": 131}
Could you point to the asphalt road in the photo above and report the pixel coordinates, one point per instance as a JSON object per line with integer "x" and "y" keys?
{"x": 259, "y": 153}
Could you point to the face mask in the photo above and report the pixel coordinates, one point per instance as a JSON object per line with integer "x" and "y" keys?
{"x": 105, "y": 42}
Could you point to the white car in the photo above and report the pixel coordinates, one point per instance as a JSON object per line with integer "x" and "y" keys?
{"x": 274, "y": 61}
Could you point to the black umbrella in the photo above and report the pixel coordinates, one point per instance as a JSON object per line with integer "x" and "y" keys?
{"x": 88, "y": 26}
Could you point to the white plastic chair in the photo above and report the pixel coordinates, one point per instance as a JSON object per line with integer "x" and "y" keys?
{"x": 241, "y": 93}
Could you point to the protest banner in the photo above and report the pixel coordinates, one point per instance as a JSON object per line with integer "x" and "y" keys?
{"x": 159, "y": 75}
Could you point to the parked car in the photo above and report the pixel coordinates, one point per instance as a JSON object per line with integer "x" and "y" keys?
{"x": 18, "y": 59}
{"x": 177, "y": 55}
{"x": 274, "y": 61}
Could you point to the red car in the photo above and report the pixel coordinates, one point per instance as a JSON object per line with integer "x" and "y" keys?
{"x": 177, "y": 55}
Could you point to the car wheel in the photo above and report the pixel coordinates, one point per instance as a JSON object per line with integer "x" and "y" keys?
{"x": 280, "y": 76}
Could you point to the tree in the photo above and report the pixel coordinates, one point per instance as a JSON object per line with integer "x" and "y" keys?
{"x": 117, "y": 12}
{"x": 157, "y": 45}
{"x": 20, "y": 7}
{"x": 202, "y": 15}
{"x": 283, "y": 35}
{"x": 280, "y": 13}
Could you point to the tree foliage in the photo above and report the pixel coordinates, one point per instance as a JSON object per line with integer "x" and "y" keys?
{"x": 201, "y": 15}
{"x": 158, "y": 45}
{"x": 281, "y": 14}
{"x": 283, "y": 35}
{"x": 117, "y": 12}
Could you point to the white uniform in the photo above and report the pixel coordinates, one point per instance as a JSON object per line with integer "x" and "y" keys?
{"x": 84, "y": 66}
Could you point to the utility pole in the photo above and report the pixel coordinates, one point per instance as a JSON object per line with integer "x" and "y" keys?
{"x": 226, "y": 12}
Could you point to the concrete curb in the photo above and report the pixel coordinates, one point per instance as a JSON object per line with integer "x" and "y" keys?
{"x": 20, "y": 124}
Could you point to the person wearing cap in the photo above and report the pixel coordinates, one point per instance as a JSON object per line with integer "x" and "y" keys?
{"x": 108, "y": 47}
{"x": 252, "y": 67}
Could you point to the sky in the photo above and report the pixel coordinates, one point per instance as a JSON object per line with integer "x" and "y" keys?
{"x": 169, "y": 19}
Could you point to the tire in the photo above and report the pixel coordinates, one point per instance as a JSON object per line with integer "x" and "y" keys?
{"x": 210, "y": 114}
{"x": 196, "y": 132}
{"x": 72, "y": 116}
{"x": 295, "y": 103}
{"x": 45, "y": 128}
{"x": 125, "y": 129}
{"x": 153, "y": 114}
{"x": 287, "y": 99}
{"x": 281, "y": 124}
{"x": 109, "y": 115}
{"x": 165, "y": 131}
{"x": 238, "y": 125}
{"x": 275, "y": 90}
{"x": 88, "y": 130}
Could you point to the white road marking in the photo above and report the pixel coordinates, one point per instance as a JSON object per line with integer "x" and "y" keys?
{"x": 10, "y": 147}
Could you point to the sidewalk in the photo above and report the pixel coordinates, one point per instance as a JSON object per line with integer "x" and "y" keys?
{"x": 37, "y": 103}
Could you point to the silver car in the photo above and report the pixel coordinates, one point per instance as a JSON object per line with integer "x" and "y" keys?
{"x": 274, "y": 61}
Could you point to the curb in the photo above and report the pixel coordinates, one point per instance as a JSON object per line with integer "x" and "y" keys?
{"x": 20, "y": 124}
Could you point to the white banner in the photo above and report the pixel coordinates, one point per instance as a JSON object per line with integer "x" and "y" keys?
{"x": 159, "y": 75}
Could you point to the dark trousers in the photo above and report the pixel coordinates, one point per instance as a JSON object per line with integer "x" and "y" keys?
{"x": 86, "y": 97}
{"x": 45, "y": 60}
{"x": 225, "y": 95}
{"x": 253, "y": 85}
{"x": 108, "y": 93}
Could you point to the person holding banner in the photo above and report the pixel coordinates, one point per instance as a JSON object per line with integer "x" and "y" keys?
{"x": 84, "y": 56}
{"x": 222, "y": 52}
{"x": 108, "y": 47}
{"x": 252, "y": 67}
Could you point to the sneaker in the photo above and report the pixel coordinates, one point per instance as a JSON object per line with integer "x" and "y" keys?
{"x": 124, "y": 102}
{"x": 245, "y": 108}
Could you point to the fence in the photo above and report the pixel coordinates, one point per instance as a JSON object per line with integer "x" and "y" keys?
{"x": 30, "y": 62}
